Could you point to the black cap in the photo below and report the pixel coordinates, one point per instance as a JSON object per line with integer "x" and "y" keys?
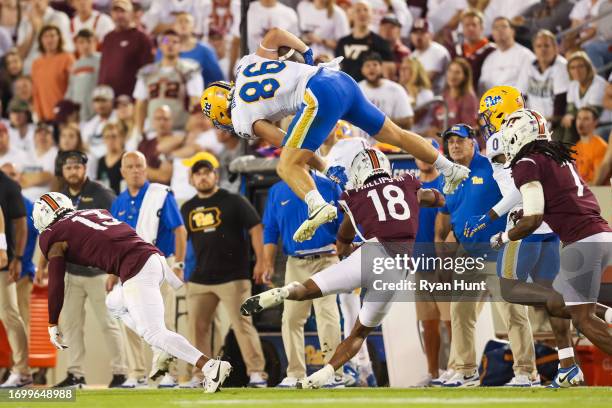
{"x": 200, "y": 164}
{"x": 74, "y": 155}
{"x": 390, "y": 19}
{"x": 372, "y": 56}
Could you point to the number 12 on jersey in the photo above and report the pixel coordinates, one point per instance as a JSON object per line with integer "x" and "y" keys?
{"x": 396, "y": 207}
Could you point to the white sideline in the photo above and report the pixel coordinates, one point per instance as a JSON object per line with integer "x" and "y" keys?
{"x": 366, "y": 401}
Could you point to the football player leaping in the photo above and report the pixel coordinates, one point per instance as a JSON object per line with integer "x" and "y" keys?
{"x": 267, "y": 90}
{"x": 95, "y": 238}
{"x": 552, "y": 192}
{"x": 387, "y": 211}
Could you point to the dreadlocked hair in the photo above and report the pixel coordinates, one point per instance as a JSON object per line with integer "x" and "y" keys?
{"x": 558, "y": 151}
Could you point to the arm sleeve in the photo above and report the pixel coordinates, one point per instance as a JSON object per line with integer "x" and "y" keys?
{"x": 170, "y": 214}
{"x": 249, "y": 215}
{"x": 57, "y": 269}
{"x": 271, "y": 230}
{"x": 508, "y": 202}
{"x": 533, "y": 198}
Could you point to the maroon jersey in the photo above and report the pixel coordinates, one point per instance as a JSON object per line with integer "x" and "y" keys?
{"x": 96, "y": 239}
{"x": 386, "y": 209}
{"x": 570, "y": 208}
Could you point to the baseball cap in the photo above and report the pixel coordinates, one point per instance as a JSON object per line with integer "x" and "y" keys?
{"x": 460, "y": 129}
{"x": 18, "y": 105}
{"x": 123, "y": 99}
{"x": 420, "y": 24}
{"x": 74, "y": 156}
{"x": 123, "y": 5}
{"x": 201, "y": 160}
{"x": 103, "y": 92}
{"x": 65, "y": 108}
{"x": 390, "y": 19}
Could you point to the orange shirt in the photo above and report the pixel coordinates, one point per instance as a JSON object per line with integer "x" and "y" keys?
{"x": 589, "y": 155}
{"x": 49, "y": 82}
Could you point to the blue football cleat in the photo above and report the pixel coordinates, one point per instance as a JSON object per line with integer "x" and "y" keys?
{"x": 568, "y": 377}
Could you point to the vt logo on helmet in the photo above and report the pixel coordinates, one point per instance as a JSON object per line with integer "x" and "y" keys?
{"x": 215, "y": 103}
{"x": 366, "y": 164}
{"x": 497, "y": 103}
{"x": 520, "y": 129}
{"x": 49, "y": 208}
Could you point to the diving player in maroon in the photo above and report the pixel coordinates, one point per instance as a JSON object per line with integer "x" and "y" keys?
{"x": 387, "y": 210}
{"x": 95, "y": 238}
{"x": 553, "y": 192}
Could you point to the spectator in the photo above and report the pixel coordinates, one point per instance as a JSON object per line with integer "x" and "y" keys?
{"x": 9, "y": 153}
{"x": 50, "y": 72}
{"x": 91, "y": 130}
{"x": 585, "y": 89}
{"x": 37, "y": 173}
{"x": 475, "y": 47}
{"x": 124, "y": 50}
{"x": 390, "y": 30}
{"x": 109, "y": 166}
{"x": 166, "y": 230}
{"x": 86, "y": 283}
{"x": 283, "y": 214}
{"x": 99, "y": 24}
{"x": 459, "y": 96}
{"x": 473, "y": 197}
{"x": 201, "y": 135}
{"x": 591, "y": 148}
{"x": 30, "y": 26}
{"x": 551, "y": 15}
{"x": 85, "y": 71}
{"x": 390, "y": 97}
{"x": 14, "y": 228}
{"x": 218, "y": 42}
{"x": 161, "y": 16}
{"x": 429, "y": 310}
{"x": 361, "y": 41}
{"x": 544, "y": 82}
{"x": 172, "y": 81}
{"x": 584, "y": 10}
{"x": 398, "y": 8}
{"x": 22, "y": 90}
{"x": 21, "y": 129}
{"x": 67, "y": 112}
{"x": 218, "y": 223}
{"x": 503, "y": 66}
{"x": 443, "y": 15}
{"x": 598, "y": 46}
{"x": 9, "y": 18}
{"x": 232, "y": 149}
{"x": 222, "y": 16}
{"x": 503, "y": 8}
{"x": 124, "y": 105}
{"x": 414, "y": 79}
{"x": 12, "y": 68}
{"x": 434, "y": 57}
{"x": 69, "y": 141}
{"x": 322, "y": 24}
{"x": 158, "y": 144}
{"x": 603, "y": 175}
{"x": 190, "y": 48}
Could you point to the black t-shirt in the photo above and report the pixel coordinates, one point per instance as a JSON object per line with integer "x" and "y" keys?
{"x": 218, "y": 227}
{"x": 110, "y": 176}
{"x": 355, "y": 49}
{"x": 13, "y": 207}
{"x": 93, "y": 195}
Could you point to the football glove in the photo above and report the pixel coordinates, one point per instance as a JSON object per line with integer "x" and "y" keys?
{"x": 453, "y": 176}
{"x": 308, "y": 56}
{"x": 56, "y": 338}
{"x": 337, "y": 175}
{"x": 498, "y": 240}
{"x": 475, "y": 223}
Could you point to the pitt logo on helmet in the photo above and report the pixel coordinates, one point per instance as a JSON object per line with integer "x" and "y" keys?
{"x": 492, "y": 100}
{"x": 215, "y": 104}
{"x": 497, "y": 103}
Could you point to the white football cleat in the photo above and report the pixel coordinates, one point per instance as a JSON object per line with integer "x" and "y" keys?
{"x": 215, "y": 373}
{"x": 443, "y": 378}
{"x": 461, "y": 381}
{"x": 453, "y": 176}
{"x": 17, "y": 381}
{"x": 318, "y": 379}
{"x": 258, "y": 380}
{"x": 160, "y": 363}
{"x": 135, "y": 383}
{"x": 520, "y": 380}
{"x": 264, "y": 300}
{"x": 568, "y": 377}
{"x": 167, "y": 381}
{"x": 318, "y": 217}
{"x": 288, "y": 382}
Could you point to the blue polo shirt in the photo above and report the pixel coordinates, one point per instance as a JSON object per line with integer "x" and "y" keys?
{"x": 475, "y": 196}
{"x": 27, "y": 266}
{"x": 206, "y": 57}
{"x": 285, "y": 212}
{"x": 127, "y": 208}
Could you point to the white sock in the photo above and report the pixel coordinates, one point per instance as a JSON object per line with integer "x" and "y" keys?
{"x": 564, "y": 353}
{"x": 442, "y": 163}
{"x": 608, "y": 316}
{"x": 286, "y": 290}
{"x": 314, "y": 200}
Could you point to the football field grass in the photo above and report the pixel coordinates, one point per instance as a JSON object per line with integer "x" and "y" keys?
{"x": 354, "y": 398}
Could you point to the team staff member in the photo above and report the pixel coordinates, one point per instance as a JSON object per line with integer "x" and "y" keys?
{"x": 12, "y": 244}
{"x": 152, "y": 210}
{"x": 218, "y": 223}
{"x": 284, "y": 213}
{"x": 85, "y": 283}
{"x": 475, "y": 196}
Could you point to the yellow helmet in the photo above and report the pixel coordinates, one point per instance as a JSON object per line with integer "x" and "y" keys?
{"x": 215, "y": 103}
{"x": 495, "y": 104}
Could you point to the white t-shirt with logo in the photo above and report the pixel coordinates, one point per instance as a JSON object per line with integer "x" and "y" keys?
{"x": 504, "y": 67}
{"x": 540, "y": 88}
